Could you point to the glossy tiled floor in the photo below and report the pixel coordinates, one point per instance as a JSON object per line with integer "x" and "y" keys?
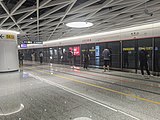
{"x": 57, "y": 92}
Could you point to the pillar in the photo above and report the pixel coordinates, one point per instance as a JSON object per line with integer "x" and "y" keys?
{"x": 8, "y": 51}
{"x": 10, "y": 102}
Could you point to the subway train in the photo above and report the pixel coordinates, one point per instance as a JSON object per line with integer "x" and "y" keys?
{"x": 124, "y": 45}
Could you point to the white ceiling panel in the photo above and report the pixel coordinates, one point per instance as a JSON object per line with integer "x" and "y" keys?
{"x": 46, "y": 19}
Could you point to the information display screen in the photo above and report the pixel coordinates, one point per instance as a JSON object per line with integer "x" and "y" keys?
{"x": 97, "y": 51}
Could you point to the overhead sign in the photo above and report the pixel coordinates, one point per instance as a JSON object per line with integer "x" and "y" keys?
{"x": 32, "y": 42}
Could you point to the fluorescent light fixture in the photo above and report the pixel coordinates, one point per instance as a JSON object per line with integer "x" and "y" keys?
{"x": 9, "y": 31}
{"x": 79, "y": 24}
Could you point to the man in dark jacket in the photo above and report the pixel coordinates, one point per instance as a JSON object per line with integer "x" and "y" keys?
{"x": 143, "y": 59}
{"x": 86, "y": 59}
{"x": 70, "y": 58}
{"x": 21, "y": 57}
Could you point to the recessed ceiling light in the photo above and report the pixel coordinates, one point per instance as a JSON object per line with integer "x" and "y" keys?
{"x": 79, "y": 24}
{"x": 31, "y": 18}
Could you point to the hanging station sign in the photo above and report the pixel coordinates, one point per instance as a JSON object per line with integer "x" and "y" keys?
{"x": 7, "y": 37}
{"x": 32, "y": 42}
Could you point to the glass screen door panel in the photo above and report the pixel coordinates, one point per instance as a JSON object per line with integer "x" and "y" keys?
{"x": 147, "y": 45}
{"x": 129, "y": 54}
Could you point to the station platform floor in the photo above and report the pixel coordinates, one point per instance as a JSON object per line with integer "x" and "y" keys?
{"x": 59, "y": 92}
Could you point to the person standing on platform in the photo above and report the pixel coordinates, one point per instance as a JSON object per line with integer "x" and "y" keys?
{"x": 41, "y": 57}
{"x": 70, "y": 57}
{"x": 106, "y": 57}
{"x": 86, "y": 59}
{"x": 33, "y": 56}
{"x": 143, "y": 59}
{"x": 125, "y": 59}
{"x": 21, "y": 57}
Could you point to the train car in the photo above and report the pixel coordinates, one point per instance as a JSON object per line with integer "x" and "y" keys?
{"x": 124, "y": 45}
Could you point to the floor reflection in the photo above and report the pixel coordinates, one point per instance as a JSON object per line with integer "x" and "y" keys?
{"x": 10, "y": 101}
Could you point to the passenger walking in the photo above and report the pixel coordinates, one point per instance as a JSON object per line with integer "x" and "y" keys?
{"x": 70, "y": 57}
{"x": 143, "y": 59}
{"x": 106, "y": 57}
{"x": 86, "y": 59}
{"x": 21, "y": 57}
{"x": 41, "y": 57}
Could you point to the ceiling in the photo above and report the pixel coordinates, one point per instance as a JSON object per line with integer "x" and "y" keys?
{"x": 45, "y": 19}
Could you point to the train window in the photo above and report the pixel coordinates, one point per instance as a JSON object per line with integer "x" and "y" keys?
{"x": 91, "y": 50}
{"x": 99, "y": 58}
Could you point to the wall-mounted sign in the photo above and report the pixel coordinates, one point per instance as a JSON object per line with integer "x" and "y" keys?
{"x": 7, "y": 36}
{"x": 145, "y": 48}
{"x": 32, "y": 42}
{"x": 10, "y": 37}
{"x": 128, "y": 49}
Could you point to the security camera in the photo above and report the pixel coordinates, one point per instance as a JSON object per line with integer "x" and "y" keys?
{"x": 148, "y": 13}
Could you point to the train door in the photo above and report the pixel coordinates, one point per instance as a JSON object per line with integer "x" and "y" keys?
{"x": 65, "y": 55}
{"x": 83, "y": 48}
{"x": 38, "y": 52}
{"x": 147, "y": 45}
{"x": 60, "y": 55}
{"x": 157, "y": 55}
{"x": 91, "y": 49}
{"x": 98, "y": 53}
{"x": 115, "y": 49}
{"x": 51, "y": 55}
{"x": 44, "y": 55}
{"x": 76, "y": 50}
{"x": 76, "y": 54}
{"x": 55, "y": 55}
{"x": 129, "y": 54}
